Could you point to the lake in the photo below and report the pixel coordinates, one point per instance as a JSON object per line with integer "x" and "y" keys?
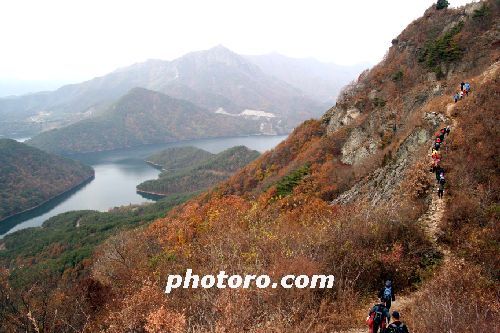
{"x": 117, "y": 173}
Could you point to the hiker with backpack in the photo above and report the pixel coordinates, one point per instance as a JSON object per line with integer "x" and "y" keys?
{"x": 456, "y": 97}
{"x": 397, "y": 326}
{"x": 440, "y": 190}
{"x": 438, "y": 173}
{"x": 387, "y": 293}
{"x": 435, "y": 160}
{"x": 436, "y": 163}
{"x": 437, "y": 144}
{"x": 441, "y": 136}
{"x": 441, "y": 177}
{"x": 467, "y": 88}
{"x": 378, "y": 317}
{"x": 448, "y": 130}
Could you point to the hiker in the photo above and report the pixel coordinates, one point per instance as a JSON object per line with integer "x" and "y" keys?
{"x": 378, "y": 317}
{"x": 461, "y": 94}
{"x": 435, "y": 154}
{"x": 440, "y": 190}
{"x": 456, "y": 97}
{"x": 441, "y": 136}
{"x": 436, "y": 159}
{"x": 462, "y": 84}
{"x": 436, "y": 163}
{"x": 441, "y": 177}
{"x": 437, "y": 144}
{"x": 387, "y": 293}
{"x": 448, "y": 130}
{"x": 467, "y": 88}
{"x": 397, "y": 326}
{"x": 438, "y": 173}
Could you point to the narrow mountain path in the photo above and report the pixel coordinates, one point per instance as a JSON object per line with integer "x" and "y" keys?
{"x": 430, "y": 221}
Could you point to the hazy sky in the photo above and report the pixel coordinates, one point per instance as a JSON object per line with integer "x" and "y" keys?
{"x": 79, "y": 39}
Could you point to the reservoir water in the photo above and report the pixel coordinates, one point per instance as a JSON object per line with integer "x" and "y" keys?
{"x": 117, "y": 173}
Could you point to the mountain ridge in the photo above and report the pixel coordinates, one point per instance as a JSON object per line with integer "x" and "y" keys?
{"x": 211, "y": 79}
{"x": 142, "y": 117}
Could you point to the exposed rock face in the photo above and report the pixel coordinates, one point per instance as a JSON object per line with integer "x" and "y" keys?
{"x": 357, "y": 147}
{"x": 470, "y": 8}
{"x": 385, "y": 178}
{"x": 373, "y": 94}
{"x": 435, "y": 118}
{"x": 339, "y": 117}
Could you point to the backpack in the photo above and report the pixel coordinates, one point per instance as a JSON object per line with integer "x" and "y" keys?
{"x": 388, "y": 293}
{"x": 378, "y": 316}
{"x": 395, "y": 329}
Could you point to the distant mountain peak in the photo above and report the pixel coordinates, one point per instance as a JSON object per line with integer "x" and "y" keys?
{"x": 216, "y": 54}
{"x": 220, "y": 48}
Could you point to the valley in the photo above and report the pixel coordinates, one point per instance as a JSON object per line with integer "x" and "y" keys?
{"x": 388, "y": 186}
{"x": 117, "y": 173}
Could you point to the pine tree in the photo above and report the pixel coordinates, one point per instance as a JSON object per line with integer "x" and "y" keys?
{"x": 442, "y": 4}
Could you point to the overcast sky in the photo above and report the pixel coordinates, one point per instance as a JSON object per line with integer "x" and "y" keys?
{"x": 73, "y": 40}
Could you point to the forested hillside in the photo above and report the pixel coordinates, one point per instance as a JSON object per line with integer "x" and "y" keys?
{"x": 178, "y": 158}
{"x": 187, "y": 170}
{"x": 349, "y": 194}
{"x": 68, "y": 240}
{"x": 29, "y": 177}
{"x": 142, "y": 117}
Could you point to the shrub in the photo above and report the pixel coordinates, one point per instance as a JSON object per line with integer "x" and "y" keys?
{"x": 442, "y": 50}
{"x": 397, "y": 76}
{"x": 458, "y": 299}
{"x": 378, "y": 102}
{"x": 285, "y": 186}
{"x": 481, "y": 12}
{"x": 482, "y": 17}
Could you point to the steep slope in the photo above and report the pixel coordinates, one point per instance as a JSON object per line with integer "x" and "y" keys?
{"x": 276, "y": 217}
{"x": 343, "y": 195}
{"x": 198, "y": 175}
{"x": 211, "y": 79}
{"x": 142, "y": 117}
{"x": 320, "y": 81}
{"x": 29, "y": 177}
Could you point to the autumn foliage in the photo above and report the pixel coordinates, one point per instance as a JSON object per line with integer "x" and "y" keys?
{"x": 276, "y": 216}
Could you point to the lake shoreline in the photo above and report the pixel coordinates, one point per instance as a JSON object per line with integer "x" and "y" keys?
{"x": 156, "y": 166}
{"x": 151, "y": 193}
{"x": 73, "y": 153}
{"x": 117, "y": 175}
{"x": 86, "y": 180}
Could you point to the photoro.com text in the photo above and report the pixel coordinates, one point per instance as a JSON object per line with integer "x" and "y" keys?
{"x": 223, "y": 280}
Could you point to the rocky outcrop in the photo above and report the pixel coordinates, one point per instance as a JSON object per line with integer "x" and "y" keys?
{"x": 381, "y": 184}
{"x": 435, "y": 118}
{"x": 338, "y": 117}
{"x": 357, "y": 147}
